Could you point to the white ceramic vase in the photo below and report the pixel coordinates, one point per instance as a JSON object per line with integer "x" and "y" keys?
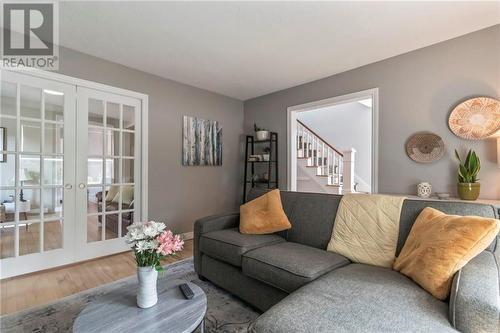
{"x": 146, "y": 294}
{"x": 424, "y": 190}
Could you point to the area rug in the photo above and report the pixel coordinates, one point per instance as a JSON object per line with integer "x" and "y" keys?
{"x": 225, "y": 313}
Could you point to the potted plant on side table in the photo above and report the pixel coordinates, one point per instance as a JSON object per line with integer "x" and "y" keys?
{"x": 261, "y": 134}
{"x": 151, "y": 242}
{"x": 468, "y": 185}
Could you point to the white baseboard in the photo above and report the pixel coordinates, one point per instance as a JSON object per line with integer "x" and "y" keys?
{"x": 187, "y": 235}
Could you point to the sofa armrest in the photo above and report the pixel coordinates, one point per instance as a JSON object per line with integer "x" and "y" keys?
{"x": 207, "y": 224}
{"x": 475, "y": 296}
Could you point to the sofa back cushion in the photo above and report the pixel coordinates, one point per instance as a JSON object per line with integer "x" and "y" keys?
{"x": 312, "y": 215}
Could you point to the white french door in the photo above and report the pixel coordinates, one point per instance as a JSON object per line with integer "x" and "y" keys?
{"x": 37, "y": 168}
{"x": 108, "y": 170}
{"x": 71, "y": 171}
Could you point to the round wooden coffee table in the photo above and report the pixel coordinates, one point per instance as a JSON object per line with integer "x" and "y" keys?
{"x": 118, "y": 312}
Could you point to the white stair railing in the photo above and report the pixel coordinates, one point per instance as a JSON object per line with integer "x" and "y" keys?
{"x": 320, "y": 154}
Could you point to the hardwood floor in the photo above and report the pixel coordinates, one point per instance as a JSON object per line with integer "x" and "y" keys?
{"x": 39, "y": 288}
{"x": 29, "y": 237}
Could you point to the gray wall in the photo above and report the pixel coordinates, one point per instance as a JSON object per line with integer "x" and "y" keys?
{"x": 417, "y": 92}
{"x": 177, "y": 195}
{"x": 346, "y": 126}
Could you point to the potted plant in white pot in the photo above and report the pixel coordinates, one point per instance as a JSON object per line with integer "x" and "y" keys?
{"x": 266, "y": 154}
{"x": 261, "y": 134}
{"x": 468, "y": 185}
{"x": 151, "y": 242}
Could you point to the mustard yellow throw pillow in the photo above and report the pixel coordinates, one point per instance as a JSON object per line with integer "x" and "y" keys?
{"x": 263, "y": 215}
{"x": 439, "y": 245}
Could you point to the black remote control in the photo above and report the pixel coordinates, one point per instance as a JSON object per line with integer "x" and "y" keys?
{"x": 188, "y": 293}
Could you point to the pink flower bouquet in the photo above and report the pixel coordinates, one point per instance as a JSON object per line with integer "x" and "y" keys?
{"x": 151, "y": 242}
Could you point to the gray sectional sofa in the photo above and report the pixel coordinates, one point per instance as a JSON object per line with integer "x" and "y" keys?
{"x": 300, "y": 287}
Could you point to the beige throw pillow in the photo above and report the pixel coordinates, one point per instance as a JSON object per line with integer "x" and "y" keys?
{"x": 366, "y": 228}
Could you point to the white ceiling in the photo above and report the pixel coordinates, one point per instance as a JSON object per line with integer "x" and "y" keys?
{"x": 248, "y": 49}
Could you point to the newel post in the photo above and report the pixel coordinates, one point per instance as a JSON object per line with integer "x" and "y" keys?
{"x": 348, "y": 172}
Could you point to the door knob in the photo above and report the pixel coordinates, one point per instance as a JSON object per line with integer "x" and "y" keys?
{"x": 81, "y": 185}
{"x": 68, "y": 186}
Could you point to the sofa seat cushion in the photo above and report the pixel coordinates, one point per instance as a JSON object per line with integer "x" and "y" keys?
{"x": 288, "y": 266}
{"x": 357, "y": 298}
{"x": 229, "y": 245}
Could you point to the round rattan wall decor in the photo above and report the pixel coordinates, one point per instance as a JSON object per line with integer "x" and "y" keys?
{"x": 425, "y": 147}
{"x": 476, "y": 118}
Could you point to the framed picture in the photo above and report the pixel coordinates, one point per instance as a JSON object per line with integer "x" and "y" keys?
{"x": 201, "y": 142}
{"x": 3, "y": 144}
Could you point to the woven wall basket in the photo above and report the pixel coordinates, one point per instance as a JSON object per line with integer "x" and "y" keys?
{"x": 476, "y": 118}
{"x": 425, "y": 147}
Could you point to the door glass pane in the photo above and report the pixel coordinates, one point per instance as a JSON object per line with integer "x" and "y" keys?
{"x": 7, "y": 239}
{"x": 53, "y": 171}
{"x": 113, "y": 198}
{"x": 127, "y": 196}
{"x": 8, "y": 205}
{"x": 128, "y": 117}
{"x": 112, "y": 143}
{"x": 52, "y": 235}
{"x": 112, "y": 224}
{"x": 96, "y": 112}
{"x": 94, "y": 199}
{"x": 29, "y": 238}
{"x": 94, "y": 228}
{"x": 127, "y": 219}
{"x": 127, "y": 170}
{"x": 29, "y": 205}
{"x": 52, "y": 203}
{"x": 9, "y": 129}
{"x": 95, "y": 141}
{"x": 112, "y": 115}
{"x": 8, "y": 96}
{"x": 54, "y": 139}
{"x": 29, "y": 170}
{"x": 128, "y": 144}
{"x": 112, "y": 170}
{"x": 54, "y": 105}
{"x": 31, "y": 102}
{"x": 94, "y": 171}
{"x": 7, "y": 170}
{"x": 30, "y": 136}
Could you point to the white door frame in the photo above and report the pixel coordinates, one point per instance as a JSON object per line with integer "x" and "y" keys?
{"x": 292, "y": 112}
{"x": 60, "y": 78}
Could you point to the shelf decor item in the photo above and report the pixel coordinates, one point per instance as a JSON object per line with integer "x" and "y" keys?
{"x": 266, "y": 154}
{"x": 261, "y": 167}
{"x": 468, "y": 185}
{"x": 425, "y": 147}
{"x": 201, "y": 142}
{"x": 261, "y": 134}
{"x": 424, "y": 190}
{"x": 476, "y": 118}
{"x": 151, "y": 242}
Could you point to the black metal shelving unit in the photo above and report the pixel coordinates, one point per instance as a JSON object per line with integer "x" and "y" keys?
{"x": 256, "y": 167}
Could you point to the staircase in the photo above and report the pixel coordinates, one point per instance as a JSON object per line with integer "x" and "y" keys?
{"x": 320, "y": 166}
